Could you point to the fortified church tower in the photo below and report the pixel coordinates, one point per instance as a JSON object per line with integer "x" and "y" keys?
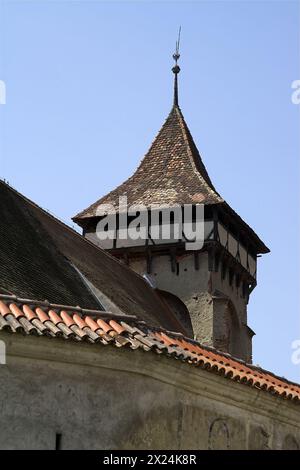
{"x": 207, "y": 288}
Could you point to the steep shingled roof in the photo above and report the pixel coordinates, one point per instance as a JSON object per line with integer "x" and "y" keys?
{"x": 172, "y": 172}
{"x": 38, "y": 254}
{"x": 103, "y": 328}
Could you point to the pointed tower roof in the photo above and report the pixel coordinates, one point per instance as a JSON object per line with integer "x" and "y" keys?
{"x": 172, "y": 172}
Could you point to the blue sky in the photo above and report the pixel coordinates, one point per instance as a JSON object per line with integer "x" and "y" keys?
{"x": 89, "y": 84}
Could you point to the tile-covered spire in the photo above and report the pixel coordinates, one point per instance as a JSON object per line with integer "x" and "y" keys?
{"x": 172, "y": 172}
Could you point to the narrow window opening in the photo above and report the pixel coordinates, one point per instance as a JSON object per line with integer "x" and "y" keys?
{"x": 57, "y": 441}
{"x": 223, "y": 271}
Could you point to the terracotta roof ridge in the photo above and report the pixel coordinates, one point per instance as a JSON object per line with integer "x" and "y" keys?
{"x": 172, "y": 334}
{"x": 84, "y": 311}
{"x": 33, "y": 318}
{"x": 225, "y": 355}
{"x": 75, "y": 309}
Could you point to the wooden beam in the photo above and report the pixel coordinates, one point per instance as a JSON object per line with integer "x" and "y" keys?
{"x": 149, "y": 261}
{"x": 215, "y": 220}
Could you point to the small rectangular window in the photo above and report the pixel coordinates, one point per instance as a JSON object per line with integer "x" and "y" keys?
{"x": 57, "y": 441}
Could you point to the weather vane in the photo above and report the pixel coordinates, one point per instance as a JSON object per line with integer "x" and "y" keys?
{"x": 176, "y": 68}
{"x": 176, "y": 56}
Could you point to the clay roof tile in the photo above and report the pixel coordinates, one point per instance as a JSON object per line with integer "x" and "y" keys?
{"x": 163, "y": 341}
{"x": 79, "y": 321}
{"x": 28, "y": 312}
{"x": 104, "y": 326}
{"x": 67, "y": 319}
{"x": 54, "y": 317}
{"x": 91, "y": 323}
{"x": 43, "y": 317}
{"x": 117, "y": 327}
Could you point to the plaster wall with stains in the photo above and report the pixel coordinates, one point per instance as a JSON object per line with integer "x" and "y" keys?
{"x": 217, "y": 308}
{"x": 106, "y": 398}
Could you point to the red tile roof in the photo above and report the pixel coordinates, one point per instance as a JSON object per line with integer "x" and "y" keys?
{"x": 30, "y": 317}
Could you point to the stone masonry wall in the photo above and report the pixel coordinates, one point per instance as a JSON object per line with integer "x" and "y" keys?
{"x": 202, "y": 291}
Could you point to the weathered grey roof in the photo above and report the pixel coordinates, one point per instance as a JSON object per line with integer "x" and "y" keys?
{"x": 37, "y": 255}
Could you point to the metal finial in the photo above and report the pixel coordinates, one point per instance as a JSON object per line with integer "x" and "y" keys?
{"x": 176, "y": 68}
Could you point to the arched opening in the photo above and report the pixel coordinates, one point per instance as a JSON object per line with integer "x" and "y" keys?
{"x": 234, "y": 331}
{"x": 227, "y": 327}
{"x": 179, "y": 309}
{"x": 218, "y": 435}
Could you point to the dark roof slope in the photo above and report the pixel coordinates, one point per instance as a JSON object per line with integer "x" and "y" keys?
{"x": 37, "y": 252}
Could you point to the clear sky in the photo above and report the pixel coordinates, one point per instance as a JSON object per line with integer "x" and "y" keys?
{"x": 89, "y": 84}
